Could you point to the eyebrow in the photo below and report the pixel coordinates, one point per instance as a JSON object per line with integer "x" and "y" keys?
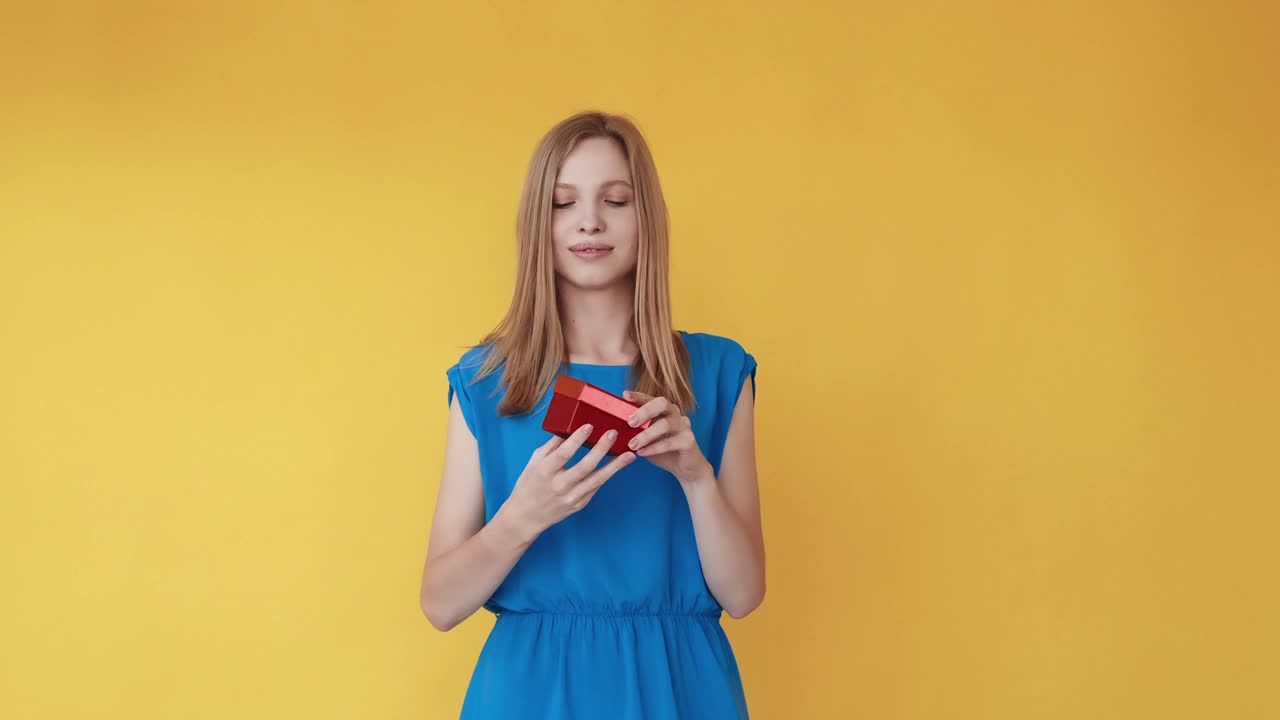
{"x": 603, "y": 185}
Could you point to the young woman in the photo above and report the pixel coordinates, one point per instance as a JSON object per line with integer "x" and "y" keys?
{"x": 608, "y": 575}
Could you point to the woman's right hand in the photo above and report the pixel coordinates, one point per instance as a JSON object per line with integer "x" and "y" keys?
{"x": 547, "y": 492}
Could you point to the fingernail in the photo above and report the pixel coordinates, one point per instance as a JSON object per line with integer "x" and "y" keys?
{"x": 632, "y": 444}
{"x": 611, "y": 434}
{"x": 588, "y": 427}
{"x": 633, "y": 421}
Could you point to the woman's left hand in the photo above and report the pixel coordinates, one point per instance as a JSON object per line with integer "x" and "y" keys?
{"x": 668, "y": 442}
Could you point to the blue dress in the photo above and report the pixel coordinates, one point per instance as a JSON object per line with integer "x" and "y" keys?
{"x": 607, "y": 613}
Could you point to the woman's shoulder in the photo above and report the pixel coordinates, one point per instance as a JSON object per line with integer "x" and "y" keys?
{"x": 722, "y": 367}
{"x": 469, "y": 361}
{"x": 708, "y": 346}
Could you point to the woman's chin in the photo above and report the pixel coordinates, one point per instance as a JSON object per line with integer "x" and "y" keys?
{"x": 597, "y": 279}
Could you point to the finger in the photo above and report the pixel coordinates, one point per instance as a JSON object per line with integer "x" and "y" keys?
{"x": 591, "y": 459}
{"x": 651, "y": 409}
{"x": 635, "y": 396}
{"x": 651, "y": 433}
{"x": 644, "y": 411}
{"x": 561, "y": 454}
{"x": 551, "y": 444}
{"x": 588, "y": 487}
{"x": 667, "y": 444}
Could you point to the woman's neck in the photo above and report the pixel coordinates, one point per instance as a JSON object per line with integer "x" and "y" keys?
{"x": 597, "y": 324}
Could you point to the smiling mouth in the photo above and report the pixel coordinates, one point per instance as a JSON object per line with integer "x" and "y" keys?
{"x": 591, "y": 252}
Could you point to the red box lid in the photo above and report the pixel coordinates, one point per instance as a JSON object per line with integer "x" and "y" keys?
{"x": 584, "y": 391}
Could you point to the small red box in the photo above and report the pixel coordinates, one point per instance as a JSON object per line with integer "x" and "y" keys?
{"x": 575, "y": 403}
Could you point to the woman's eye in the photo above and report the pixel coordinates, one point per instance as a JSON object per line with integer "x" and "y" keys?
{"x": 561, "y": 206}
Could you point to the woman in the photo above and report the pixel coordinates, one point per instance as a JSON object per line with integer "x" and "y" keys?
{"x": 608, "y": 576}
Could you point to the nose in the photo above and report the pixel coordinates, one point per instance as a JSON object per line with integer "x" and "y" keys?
{"x": 590, "y": 221}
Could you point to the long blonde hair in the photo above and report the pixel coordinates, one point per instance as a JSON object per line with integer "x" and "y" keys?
{"x": 530, "y": 339}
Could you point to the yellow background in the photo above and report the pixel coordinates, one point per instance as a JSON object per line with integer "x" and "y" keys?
{"x": 1010, "y": 271}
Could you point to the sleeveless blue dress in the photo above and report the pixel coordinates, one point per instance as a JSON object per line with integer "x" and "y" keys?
{"x": 607, "y": 613}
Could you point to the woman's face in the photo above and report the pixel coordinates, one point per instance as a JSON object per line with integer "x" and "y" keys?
{"x": 594, "y": 207}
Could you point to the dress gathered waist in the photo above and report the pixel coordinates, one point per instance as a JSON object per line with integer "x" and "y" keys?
{"x": 610, "y": 613}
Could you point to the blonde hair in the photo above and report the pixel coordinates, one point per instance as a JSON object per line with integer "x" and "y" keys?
{"x": 530, "y": 339}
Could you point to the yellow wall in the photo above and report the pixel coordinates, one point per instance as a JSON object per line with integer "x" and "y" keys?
{"x": 1010, "y": 271}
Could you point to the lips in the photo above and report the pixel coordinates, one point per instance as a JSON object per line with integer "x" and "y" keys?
{"x": 592, "y": 254}
{"x": 589, "y": 246}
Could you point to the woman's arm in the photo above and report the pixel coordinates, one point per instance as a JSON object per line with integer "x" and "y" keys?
{"x": 466, "y": 558}
{"x": 726, "y": 516}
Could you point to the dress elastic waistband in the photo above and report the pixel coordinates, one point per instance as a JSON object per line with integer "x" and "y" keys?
{"x": 611, "y": 613}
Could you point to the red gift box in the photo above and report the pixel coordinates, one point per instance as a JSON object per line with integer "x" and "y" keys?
{"x": 575, "y": 403}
